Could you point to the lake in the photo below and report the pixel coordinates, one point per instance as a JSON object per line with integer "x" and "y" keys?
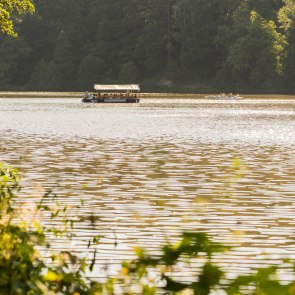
{"x": 149, "y": 171}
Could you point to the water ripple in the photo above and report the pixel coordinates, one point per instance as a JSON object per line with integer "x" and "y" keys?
{"x": 152, "y": 170}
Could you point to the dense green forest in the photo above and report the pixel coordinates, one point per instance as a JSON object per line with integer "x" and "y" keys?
{"x": 184, "y": 45}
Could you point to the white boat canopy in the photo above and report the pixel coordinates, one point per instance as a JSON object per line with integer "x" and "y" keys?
{"x": 117, "y": 87}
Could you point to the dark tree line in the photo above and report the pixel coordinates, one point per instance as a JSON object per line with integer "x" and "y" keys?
{"x": 192, "y": 45}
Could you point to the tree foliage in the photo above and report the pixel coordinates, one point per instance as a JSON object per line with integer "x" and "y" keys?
{"x": 228, "y": 45}
{"x": 9, "y": 10}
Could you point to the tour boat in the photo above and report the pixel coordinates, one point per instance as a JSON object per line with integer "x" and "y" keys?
{"x": 113, "y": 94}
{"x": 224, "y": 96}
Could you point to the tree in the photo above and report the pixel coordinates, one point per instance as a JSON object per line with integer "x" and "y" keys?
{"x": 92, "y": 70}
{"x": 128, "y": 73}
{"x": 255, "y": 51}
{"x": 14, "y": 57}
{"x": 154, "y": 45}
{"x": 44, "y": 76}
{"x": 186, "y": 42}
{"x": 63, "y": 57}
{"x": 286, "y": 17}
{"x": 196, "y": 26}
{"x": 8, "y": 9}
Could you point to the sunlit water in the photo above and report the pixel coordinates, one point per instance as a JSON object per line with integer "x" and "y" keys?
{"x": 151, "y": 170}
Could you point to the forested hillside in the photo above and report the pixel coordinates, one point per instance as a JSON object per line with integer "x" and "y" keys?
{"x": 185, "y": 45}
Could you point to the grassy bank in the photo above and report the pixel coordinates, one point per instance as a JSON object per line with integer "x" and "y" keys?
{"x": 141, "y": 95}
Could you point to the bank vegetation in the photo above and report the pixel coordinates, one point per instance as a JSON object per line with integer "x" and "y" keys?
{"x": 29, "y": 265}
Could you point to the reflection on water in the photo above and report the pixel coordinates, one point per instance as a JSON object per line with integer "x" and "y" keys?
{"x": 152, "y": 170}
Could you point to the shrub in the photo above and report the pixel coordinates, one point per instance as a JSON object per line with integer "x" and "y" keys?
{"x": 23, "y": 270}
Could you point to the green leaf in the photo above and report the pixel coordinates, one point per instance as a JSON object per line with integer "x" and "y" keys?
{"x": 173, "y": 285}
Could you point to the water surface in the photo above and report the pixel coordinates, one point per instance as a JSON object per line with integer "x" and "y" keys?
{"x": 154, "y": 169}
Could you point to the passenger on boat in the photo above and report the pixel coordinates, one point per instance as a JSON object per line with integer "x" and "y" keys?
{"x": 94, "y": 96}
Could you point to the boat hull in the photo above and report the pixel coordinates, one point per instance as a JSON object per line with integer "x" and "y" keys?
{"x": 223, "y": 97}
{"x": 111, "y": 100}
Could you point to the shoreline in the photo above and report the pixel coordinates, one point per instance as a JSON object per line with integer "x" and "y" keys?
{"x": 35, "y": 94}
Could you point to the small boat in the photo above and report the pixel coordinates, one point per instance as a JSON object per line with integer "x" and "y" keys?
{"x": 223, "y": 96}
{"x": 113, "y": 94}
